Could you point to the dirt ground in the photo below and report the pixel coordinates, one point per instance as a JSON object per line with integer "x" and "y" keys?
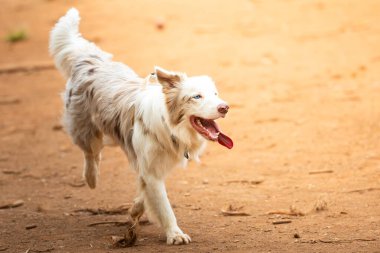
{"x": 302, "y": 79}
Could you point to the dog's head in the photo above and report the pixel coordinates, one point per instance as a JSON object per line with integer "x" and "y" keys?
{"x": 195, "y": 102}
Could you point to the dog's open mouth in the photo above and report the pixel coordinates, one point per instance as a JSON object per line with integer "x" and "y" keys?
{"x": 209, "y": 130}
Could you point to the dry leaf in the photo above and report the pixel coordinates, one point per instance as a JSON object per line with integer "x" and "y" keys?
{"x": 231, "y": 211}
{"x": 124, "y": 241}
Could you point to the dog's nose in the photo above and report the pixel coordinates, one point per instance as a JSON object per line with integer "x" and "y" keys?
{"x": 223, "y": 108}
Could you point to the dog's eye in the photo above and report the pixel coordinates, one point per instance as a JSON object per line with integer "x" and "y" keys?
{"x": 197, "y": 96}
{"x": 216, "y": 94}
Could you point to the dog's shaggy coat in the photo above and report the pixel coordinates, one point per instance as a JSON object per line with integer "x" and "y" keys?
{"x": 160, "y": 122}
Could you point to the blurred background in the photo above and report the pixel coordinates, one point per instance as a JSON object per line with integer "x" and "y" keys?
{"x": 302, "y": 80}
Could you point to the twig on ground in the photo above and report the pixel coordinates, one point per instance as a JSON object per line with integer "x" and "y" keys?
{"x": 100, "y": 211}
{"x": 281, "y": 222}
{"x": 31, "y": 226}
{"x": 252, "y": 182}
{"x": 117, "y": 223}
{"x": 346, "y": 241}
{"x": 340, "y": 240}
{"x": 320, "y": 172}
{"x": 14, "y": 172}
{"x": 17, "y": 203}
{"x": 41, "y": 250}
{"x": 364, "y": 190}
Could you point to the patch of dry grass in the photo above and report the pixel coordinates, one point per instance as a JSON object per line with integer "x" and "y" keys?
{"x": 16, "y": 35}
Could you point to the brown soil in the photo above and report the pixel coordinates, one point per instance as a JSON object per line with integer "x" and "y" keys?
{"x": 302, "y": 79}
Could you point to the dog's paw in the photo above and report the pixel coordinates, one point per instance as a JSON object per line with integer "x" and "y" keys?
{"x": 91, "y": 180}
{"x": 177, "y": 238}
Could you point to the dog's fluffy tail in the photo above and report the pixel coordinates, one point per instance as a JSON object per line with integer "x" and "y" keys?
{"x": 66, "y": 43}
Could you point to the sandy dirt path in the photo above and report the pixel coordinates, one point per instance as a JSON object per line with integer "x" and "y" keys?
{"x": 302, "y": 79}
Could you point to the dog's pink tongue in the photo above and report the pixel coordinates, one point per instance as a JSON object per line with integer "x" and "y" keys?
{"x": 225, "y": 140}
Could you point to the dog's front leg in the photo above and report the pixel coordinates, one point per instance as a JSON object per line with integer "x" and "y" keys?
{"x": 157, "y": 202}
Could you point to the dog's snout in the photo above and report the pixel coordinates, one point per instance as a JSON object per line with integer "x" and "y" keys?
{"x": 223, "y": 108}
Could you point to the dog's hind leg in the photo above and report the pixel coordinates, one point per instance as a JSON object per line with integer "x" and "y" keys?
{"x": 91, "y": 145}
{"x": 92, "y": 161}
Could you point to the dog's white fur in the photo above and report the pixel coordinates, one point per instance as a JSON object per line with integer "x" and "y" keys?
{"x": 149, "y": 121}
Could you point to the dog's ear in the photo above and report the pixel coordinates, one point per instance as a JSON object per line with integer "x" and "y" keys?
{"x": 168, "y": 79}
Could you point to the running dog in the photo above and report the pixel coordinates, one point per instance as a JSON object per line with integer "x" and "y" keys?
{"x": 160, "y": 122}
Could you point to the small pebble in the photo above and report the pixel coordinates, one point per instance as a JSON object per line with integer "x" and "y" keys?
{"x": 57, "y": 127}
{"x": 160, "y": 23}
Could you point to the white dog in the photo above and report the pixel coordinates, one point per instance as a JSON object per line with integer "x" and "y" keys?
{"x": 159, "y": 125}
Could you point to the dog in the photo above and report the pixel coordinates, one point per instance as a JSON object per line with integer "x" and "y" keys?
{"x": 160, "y": 122}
